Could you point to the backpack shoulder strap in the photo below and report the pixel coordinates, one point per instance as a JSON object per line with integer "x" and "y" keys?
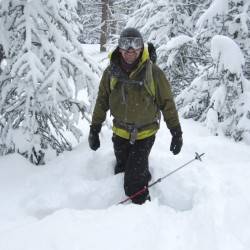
{"x": 113, "y": 82}
{"x": 149, "y": 80}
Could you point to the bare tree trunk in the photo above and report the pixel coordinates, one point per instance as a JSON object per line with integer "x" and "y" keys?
{"x": 113, "y": 22}
{"x": 104, "y": 28}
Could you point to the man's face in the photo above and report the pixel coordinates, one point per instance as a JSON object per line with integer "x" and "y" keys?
{"x": 130, "y": 55}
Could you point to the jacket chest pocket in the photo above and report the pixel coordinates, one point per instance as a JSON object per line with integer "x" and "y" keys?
{"x": 130, "y": 98}
{"x": 138, "y": 98}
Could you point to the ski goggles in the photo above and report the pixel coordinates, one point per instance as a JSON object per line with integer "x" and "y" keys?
{"x": 126, "y": 43}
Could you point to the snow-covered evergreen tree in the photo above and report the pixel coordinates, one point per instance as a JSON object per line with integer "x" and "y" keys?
{"x": 219, "y": 95}
{"x": 46, "y": 68}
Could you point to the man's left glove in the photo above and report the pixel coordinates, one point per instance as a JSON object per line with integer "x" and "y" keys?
{"x": 177, "y": 140}
{"x": 94, "y": 141}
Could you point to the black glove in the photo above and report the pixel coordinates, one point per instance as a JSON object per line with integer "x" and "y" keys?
{"x": 94, "y": 141}
{"x": 177, "y": 141}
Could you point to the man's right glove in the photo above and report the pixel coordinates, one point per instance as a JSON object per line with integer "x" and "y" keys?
{"x": 177, "y": 140}
{"x": 94, "y": 141}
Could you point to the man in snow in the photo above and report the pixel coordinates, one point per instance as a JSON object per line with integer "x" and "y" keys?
{"x": 135, "y": 90}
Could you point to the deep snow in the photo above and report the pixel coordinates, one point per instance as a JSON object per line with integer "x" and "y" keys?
{"x": 70, "y": 203}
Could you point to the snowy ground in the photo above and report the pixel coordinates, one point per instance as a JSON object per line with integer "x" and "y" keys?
{"x": 71, "y": 202}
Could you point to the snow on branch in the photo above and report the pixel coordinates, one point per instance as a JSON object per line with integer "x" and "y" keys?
{"x": 177, "y": 42}
{"x": 218, "y": 7}
{"x": 227, "y": 54}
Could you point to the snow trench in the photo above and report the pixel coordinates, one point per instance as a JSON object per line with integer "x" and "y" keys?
{"x": 94, "y": 186}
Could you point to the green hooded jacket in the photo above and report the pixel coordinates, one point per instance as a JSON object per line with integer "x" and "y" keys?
{"x": 136, "y": 99}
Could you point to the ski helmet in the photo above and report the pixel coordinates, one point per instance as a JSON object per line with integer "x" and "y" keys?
{"x": 130, "y": 38}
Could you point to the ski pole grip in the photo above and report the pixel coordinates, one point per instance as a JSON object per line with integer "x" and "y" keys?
{"x": 198, "y": 157}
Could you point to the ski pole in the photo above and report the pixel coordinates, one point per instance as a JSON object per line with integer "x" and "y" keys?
{"x": 197, "y": 157}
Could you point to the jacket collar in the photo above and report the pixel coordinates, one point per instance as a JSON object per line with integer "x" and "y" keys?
{"x": 115, "y": 55}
